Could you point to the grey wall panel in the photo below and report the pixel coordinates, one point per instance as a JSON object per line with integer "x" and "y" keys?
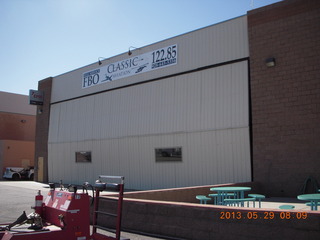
{"x": 215, "y": 44}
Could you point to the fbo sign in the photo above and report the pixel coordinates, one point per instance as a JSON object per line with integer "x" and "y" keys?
{"x": 149, "y": 61}
{"x": 91, "y": 78}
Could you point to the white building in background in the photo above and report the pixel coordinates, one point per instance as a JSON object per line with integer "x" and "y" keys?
{"x": 171, "y": 114}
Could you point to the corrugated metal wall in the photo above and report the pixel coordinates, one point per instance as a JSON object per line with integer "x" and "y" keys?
{"x": 215, "y": 44}
{"x": 204, "y": 112}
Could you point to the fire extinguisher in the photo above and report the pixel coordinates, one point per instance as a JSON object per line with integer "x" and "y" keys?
{"x": 38, "y": 203}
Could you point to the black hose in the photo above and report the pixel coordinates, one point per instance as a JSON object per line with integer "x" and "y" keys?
{"x": 87, "y": 185}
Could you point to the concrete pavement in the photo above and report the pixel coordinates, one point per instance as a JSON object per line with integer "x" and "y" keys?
{"x": 16, "y": 197}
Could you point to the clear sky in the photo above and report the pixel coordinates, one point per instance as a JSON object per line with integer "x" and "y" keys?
{"x": 46, "y": 38}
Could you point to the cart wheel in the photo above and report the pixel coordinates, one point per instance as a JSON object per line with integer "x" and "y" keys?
{"x": 15, "y": 177}
{"x": 31, "y": 177}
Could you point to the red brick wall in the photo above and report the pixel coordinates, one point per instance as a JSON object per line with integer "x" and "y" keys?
{"x": 285, "y": 99}
{"x": 14, "y": 152}
{"x": 172, "y": 220}
{"x": 17, "y": 126}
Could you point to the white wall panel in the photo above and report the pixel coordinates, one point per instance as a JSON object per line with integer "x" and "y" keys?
{"x": 208, "y": 158}
{"x": 204, "y": 112}
{"x": 216, "y": 98}
{"x": 214, "y": 44}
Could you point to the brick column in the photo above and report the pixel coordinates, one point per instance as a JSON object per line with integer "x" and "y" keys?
{"x": 42, "y": 131}
{"x": 285, "y": 98}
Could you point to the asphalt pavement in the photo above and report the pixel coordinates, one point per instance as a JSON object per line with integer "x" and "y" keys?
{"x": 19, "y": 196}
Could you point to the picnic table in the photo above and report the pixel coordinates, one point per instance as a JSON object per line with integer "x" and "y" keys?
{"x": 314, "y": 198}
{"x": 224, "y": 193}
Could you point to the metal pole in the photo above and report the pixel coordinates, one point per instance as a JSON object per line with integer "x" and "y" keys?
{"x": 95, "y": 209}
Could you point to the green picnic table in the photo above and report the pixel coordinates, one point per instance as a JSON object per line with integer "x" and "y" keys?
{"x": 314, "y": 199}
{"x": 224, "y": 191}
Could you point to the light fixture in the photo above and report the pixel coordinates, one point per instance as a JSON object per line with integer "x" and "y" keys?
{"x": 270, "y": 62}
{"x": 99, "y": 60}
{"x": 129, "y": 52}
{"x": 40, "y": 111}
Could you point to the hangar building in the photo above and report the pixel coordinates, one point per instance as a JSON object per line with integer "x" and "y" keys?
{"x": 216, "y": 105}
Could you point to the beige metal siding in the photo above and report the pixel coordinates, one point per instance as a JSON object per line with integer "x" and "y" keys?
{"x": 205, "y": 113}
{"x": 207, "y": 46}
{"x": 16, "y": 103}
{"x": 208, "y": 158}
{"x": 212, "y": 99}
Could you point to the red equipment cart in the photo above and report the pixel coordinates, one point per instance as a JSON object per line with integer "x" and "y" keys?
{"x": 65, "y": 215}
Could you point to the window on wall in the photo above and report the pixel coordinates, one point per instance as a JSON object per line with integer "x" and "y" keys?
{"x": 83, "y": 156}
{"x": 173, "y": 154}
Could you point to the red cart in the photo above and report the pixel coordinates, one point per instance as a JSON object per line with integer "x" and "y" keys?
{"x": 65, "y": 214}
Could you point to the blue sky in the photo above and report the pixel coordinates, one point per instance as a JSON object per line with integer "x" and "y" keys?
{"x": 44, "y": 38}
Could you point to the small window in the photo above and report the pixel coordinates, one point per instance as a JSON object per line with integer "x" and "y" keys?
{"x": 168, "y": 154}
{"x": 83, "y": 156}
